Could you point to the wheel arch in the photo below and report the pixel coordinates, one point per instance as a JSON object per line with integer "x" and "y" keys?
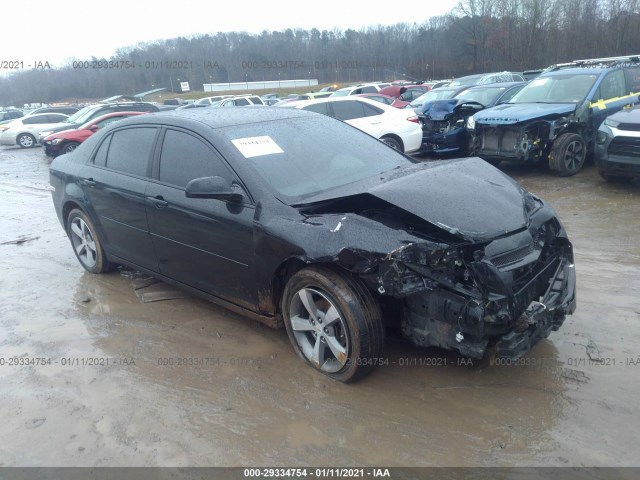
{"x": 290, "y": 267}
{"x": 395, "y": 137}
{"x": 66, "y": 209}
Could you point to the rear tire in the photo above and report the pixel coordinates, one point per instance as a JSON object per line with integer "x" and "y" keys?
{"x": 393, "y": 143}
{"x": 568, "y": 154}
{"x": 333, "y": 322}
{"x": 86, "y": 244}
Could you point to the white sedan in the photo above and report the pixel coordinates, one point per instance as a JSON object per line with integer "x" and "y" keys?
{"x": 398, "y": 128}
{"x": 25, "y": 131}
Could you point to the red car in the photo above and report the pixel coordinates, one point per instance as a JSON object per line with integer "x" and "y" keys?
{"x": 386, "y": 99}
{"x": 67, "y": 140}
{"x": 406, "y": 93}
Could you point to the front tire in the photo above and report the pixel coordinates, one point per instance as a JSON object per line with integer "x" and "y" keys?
{"x": 333, "y": 322}
{"x": 86, "y": 244}
{"x": 26, "y": 140}
{"x": 70, "y": 147}
{"x": 568, "y": 154}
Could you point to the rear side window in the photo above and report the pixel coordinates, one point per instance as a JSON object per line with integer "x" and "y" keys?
{"x": 255, "y": 100}
{"x": 318, "y": 108}
{"x": 185, "y": 157}
{"x": 100, "y": 158}
{"x": 56, "y": 117}
{"x": 241, "y": 102}
{"x": 371, "y": 111}
{"x": 130, "y": 150}
{"x": 348, "y": 110}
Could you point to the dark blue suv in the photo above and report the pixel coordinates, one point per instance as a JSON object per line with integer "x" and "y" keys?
{"x": 556, "y": 116}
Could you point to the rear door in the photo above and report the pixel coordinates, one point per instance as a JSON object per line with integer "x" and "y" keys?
{"x": 204, "y": 243}
{"x": 114, "y": 183}
{"x": 362, "y": 116}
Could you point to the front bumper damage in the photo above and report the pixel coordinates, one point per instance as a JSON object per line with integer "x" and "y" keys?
{"x": 504, "y": 295}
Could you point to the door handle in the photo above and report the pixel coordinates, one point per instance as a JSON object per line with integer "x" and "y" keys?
{"x": 89, "y": 182}
{"x": 159, "y": 202}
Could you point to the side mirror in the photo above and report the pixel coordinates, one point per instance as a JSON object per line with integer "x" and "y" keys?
{"x": 213, "y": 187}
{"x": 94, "y": 128}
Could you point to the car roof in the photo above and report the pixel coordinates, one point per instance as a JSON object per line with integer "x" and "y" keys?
{"x": 350, "y": 98}
{"x": 576, "y": 71}
{"x": 219, "y": 118}
{"x": 494, "y": 85}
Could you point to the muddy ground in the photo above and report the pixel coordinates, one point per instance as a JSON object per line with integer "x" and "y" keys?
{"x": 244, "y": 398}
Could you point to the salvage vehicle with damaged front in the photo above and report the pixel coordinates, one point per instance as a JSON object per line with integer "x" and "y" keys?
{"x": 444, "y": 121}
{"x": 300, "y": 220}
{"x": 556, "y": 116}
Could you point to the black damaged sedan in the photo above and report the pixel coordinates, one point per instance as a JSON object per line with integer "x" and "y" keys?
{"x": 299, "y": 220}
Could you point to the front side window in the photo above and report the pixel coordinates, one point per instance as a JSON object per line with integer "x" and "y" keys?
{"x": 131, "y": 149}
{"x": 369, "y": 89}
{"x": 612, "y": 86}
{"x": 632, "y": 77}
{"x": 185, "y": 157}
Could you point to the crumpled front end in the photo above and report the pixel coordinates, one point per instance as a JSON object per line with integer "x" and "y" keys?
{"x": 510, "y": 292}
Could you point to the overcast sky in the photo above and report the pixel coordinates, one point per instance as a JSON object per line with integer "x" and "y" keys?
{"x": 65, "y": 29}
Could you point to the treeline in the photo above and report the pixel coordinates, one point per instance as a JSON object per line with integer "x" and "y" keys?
{"x": 477, "y": 36}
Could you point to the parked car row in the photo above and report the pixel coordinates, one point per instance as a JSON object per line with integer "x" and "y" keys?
{"x": 556, "y": 118}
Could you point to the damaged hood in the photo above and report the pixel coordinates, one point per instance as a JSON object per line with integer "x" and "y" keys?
{"x": 468, "y": 198}
{"x": 510, "y": 114}
{"x": 442, "y": 109}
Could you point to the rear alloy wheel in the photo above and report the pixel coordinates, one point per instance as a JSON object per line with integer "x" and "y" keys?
{"x": 70, "y": 147}
{"x": 333, "y": 322}
{"x": 568, "y": 154}
{"x": 26, "y": 140}
{"x": 86, "y": 244}
{"x": 393, "y": 143}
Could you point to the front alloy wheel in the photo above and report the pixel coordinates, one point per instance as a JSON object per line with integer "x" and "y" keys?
{"x": 319, "y": 330}
{"x": 26, "y": 140}
{"x": 568, "y": 154}
{"x": 333, "y": 322}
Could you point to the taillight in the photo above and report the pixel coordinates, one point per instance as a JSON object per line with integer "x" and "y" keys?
{"x": 414, "y": 119}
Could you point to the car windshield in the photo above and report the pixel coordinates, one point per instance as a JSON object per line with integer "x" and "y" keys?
{"x": 342, "y": 92}
{"x": 295, "y": 158}
{"x": 484, "y": 96}
{"x": 569, "y": 88}
{"x": 433, "y": 95}
{"x": 81, "y": 115}
{"x": 469, "y": 80}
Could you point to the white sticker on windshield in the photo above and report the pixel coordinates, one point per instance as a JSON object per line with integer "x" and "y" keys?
{"x": 256, "y": 146}
{"x": 537, "y": 82}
